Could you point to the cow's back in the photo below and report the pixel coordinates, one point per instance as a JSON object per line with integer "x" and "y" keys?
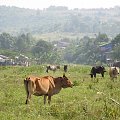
{"x": 100, "y": 69}
{"x": 44, "y": 85}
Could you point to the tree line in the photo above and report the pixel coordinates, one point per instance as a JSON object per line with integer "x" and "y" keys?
{"x": 79, "y": 51}
{"x": 41, "y": 51}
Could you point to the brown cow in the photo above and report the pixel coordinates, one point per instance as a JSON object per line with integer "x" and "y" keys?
{"x": 113, "y": 72}
{"x": 46, "y": 86}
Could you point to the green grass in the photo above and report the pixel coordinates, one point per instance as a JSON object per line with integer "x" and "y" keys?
{"x": 78, "y": 103}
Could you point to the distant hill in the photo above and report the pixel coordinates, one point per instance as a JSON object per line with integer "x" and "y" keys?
{"x": 60, "y": 19}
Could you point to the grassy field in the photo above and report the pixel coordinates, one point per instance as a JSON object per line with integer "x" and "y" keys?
{"x": 96, "y": 99}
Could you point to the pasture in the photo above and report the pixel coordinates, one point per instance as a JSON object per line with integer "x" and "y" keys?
{"x": 89, "y": 99}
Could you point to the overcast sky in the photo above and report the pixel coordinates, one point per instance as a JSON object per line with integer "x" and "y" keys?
{"x": 40, "y": 4}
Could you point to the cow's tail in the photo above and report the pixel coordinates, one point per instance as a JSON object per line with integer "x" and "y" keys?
{"x": 26, "y": 81}
{"x": 28, "y": 88}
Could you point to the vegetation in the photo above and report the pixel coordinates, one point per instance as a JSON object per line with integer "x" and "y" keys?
{"x": 59, "y": 20}
{"x": 57, "y": 35}
{"x": 45, "y": 38}
{"x": 88, "y": 99}
{"x": 81, "y": 51}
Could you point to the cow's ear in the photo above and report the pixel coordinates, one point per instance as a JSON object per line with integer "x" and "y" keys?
{"x": 27, "y": 78}
{"x": 63, "y": 74}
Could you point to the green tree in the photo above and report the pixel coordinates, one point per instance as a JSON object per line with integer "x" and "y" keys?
{"x": 86, "y": 52}
{"x": 116, "y": 41}
{"x": 6, "y": 41}
{"x": 116, "y": 47}
{"x": 45, "y": 52}
{"x": 41, "y": 47}
{"x": 24, "y": 42}
{"x": 42, "y": 50}
{"x": 116, "y": 53}
{"x": 102, "y": 38}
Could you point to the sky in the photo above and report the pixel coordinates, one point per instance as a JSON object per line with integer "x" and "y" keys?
{"x": 71, "y": 4}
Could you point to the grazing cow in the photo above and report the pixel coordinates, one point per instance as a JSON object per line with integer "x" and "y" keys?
{"x": 52, "y": 67}
{"x": 45, "y": 86}
{"x": 65, "y": 68}
{"x": 113, "y": 72}
{"x": 97, "y": 69}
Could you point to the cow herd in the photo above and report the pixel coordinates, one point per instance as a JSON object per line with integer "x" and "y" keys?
{"x": 48, "y": 86}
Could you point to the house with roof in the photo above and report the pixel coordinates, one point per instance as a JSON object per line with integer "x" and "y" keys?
{"x": 106, "y": 51}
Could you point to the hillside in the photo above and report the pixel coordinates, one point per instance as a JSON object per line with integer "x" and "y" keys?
{"x": 60, "y": 20}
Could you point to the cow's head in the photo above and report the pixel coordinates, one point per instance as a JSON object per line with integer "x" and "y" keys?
{"x": 66, "y": 82}
{"x": 103, "y": 69}
{"x": 28, "y": 78}
{"x": 117, "y": 70}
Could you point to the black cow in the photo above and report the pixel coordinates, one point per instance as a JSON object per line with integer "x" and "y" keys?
{"x": 65, "y": 68}
{"x": 97, "y": 69}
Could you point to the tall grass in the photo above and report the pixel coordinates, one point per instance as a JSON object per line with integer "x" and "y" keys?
{"x": 89, "y": 99}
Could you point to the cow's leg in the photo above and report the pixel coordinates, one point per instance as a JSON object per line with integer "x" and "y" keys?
{"x": 30, "y": 91}
{"x": 54, "y": 70}
{"x": 28, "y": 98}
{"x": 45, "y": 96}
{"x": 102, "y": 74}
{"x": 113, "y": 79}
{"x": 95, "y": 75}
{"x": 49, "y": 99}
{"x": 47, "y": 70}
{"x": 91, "y": 75}
{"x": 26, "y": 82}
